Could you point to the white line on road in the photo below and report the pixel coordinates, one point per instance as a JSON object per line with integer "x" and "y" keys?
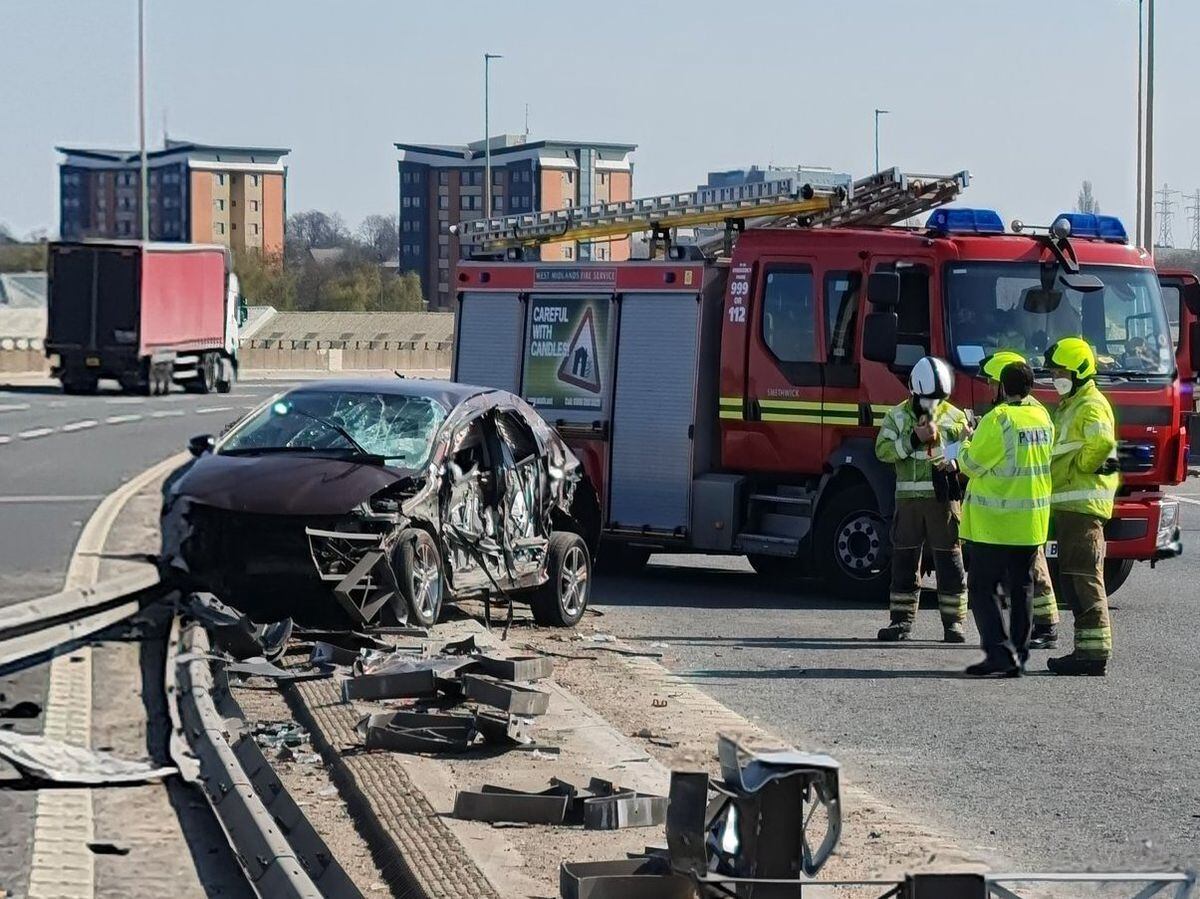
{"x": 121, "y": 419}
{"x": 4, "y": 438}
{"x": 244, "y": 396}
{"x": 35, "y": 432}
{"x": 126, "y": 401}
{"x": 14, "y": 407}
{"x": 208, "y": 409}
{"x": 166, "y": 413}
{"x": 79, "y": 425}
{"x": 1185, "y": 499}
{"x": 80, "y": 498}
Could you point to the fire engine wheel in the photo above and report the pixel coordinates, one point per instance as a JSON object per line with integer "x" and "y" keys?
{"x": 562, "y": 600}
{"x": 418, "y": 567}
{"x": 852, "y": 545}
{"x": 1116, "y": 572}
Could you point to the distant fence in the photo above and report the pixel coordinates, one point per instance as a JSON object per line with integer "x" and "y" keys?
{"x": 24, "y": 354}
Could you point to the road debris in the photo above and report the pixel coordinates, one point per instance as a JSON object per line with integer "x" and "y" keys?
{"x": 42, "y": 758}
{"x": 602, "y": 806}
{"x": 235, "y": 634}
{"x": 22, "y": 709}
{"x": 507, "y": 697}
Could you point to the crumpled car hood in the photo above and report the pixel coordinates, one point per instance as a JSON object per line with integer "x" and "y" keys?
{"x": 284, "y": 484}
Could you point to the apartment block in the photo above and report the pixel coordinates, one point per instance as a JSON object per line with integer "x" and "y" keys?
{"x": 198, "y": 193}
{"x": 443, "y": 185}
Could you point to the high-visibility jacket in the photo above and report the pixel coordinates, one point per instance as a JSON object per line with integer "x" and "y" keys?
{"x": 1008, "y": 462}
{"x": 914, "y": 466}
{"x": 1085, "y": 436}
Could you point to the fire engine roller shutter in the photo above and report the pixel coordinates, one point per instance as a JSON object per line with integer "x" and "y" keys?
{"x": 490, "y": 341}
{"x": 653, "y": 411}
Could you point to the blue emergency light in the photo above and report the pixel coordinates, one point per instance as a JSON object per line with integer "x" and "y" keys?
{"x": 1097, "y": 227}
{"x": 966, "y": 221}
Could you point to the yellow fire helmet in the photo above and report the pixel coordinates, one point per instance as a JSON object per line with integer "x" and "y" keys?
{"x": 1074, "y": 354}
{"x": 993, "y": 365}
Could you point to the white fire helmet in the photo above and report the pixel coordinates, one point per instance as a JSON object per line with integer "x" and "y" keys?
{"x": 931, "y": 378}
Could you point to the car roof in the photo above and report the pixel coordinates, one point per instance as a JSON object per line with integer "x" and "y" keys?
{"x": 449, "y": 393}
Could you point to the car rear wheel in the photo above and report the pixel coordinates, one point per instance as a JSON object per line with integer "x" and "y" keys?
{"x": 562, "y": 600}
{"x": 418, "y": 567}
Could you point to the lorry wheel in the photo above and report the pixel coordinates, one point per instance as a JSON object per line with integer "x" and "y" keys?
{"x": 852, "y": 544}
{"x": 1116, "y": 572}
{"x": 562, "y": 600}
{"x": 226, "y": 376}
{"x": 206, "y": 376}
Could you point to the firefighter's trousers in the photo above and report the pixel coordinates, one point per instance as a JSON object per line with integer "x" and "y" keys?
{"x": 918, "y": 521}
{"x": 1081, "y": 577}
{"x": 1045, "y": 603}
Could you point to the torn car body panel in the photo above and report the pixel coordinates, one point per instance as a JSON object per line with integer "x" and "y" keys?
{"x": 300, "y": 510}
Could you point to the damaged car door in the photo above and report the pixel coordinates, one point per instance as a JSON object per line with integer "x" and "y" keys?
{"x": 474, "y": 558}
{"x": 524, "y": 499}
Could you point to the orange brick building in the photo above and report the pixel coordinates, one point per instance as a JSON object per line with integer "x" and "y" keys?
{"x": 443, "y": 185}
{"x": 199, "y": 193}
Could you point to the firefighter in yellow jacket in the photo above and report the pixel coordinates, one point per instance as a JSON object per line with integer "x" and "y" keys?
{"x": 1006, "y": 516}
{"x": 911, "y": 439}
{"x": 1045, "y": 603}
{"x": 1085, "y": 477}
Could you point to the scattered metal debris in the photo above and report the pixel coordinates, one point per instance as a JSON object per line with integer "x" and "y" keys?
{"x": 234, "y": 633}
{"x": 98, "y": 848}
{"x": 522, "y": 668}
{"x": 507, "y": 697}
{"x": 42, "y": 758}
{"x": 603, "y": 806}
{"x": 418, "y": 732}
{"x": 22, "y": 709}
{"x": 280, "y": 734}
{"x": 262, "y": 668}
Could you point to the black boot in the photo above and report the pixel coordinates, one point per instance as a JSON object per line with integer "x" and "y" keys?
{"x": 899, "y": 629}
{"x": 952, "y": 632}
{"x": 1076, "y": 665}
{"x": 988, "y": 668}
{"x": 1044, "y": 636}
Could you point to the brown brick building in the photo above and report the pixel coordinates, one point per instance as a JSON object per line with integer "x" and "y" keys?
{"x": 443, "y": 185}
{"x": 199, "y": 193}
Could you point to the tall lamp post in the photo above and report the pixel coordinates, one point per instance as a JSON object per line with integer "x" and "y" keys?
{"x": 1141, "y": 145}
{"x": 145, "y": 196}
{"x": 878, "y": 113}
{"x": 487, "y": 136}
{"x": 1148, "y": 184}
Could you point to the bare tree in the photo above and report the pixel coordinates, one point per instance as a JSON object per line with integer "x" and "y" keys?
{"x": 1086, "y": 201}
{"x": 381, "y": 234}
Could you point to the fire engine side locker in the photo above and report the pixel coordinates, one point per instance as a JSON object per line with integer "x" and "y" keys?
{"x": 490, "y": 340}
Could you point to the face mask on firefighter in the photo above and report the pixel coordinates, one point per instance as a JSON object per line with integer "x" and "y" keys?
{"x": 1063, "y": 386}
{"x": 926, "y": 403}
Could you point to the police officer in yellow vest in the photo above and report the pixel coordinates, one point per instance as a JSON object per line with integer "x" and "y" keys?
{"x": 1085, "y": 481}
{"x": 1045, "y": 603}
{"x": 911, "y": 438}
{"x": 1006, "y": 516}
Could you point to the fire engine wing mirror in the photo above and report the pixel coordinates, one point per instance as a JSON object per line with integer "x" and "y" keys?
{"x": 883, "y": 289}
{"x": 880, "y": 337}
{"x": 1081, "y": 282}
{"x": 1191, "y": 296}
{"x": 1040, "y": 300}
{"x": 1194, "y": 345}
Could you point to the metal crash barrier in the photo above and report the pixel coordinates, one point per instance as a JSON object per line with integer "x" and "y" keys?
{"x": 765, "y": 828}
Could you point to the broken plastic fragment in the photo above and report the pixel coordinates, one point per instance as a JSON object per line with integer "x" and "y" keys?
{"x": 43, "y": 758}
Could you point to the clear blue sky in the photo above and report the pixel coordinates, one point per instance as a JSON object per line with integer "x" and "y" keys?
{"x": 1032, "y": 96}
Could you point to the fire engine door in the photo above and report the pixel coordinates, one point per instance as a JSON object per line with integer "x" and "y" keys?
{"x": 842, "y": 399}
{"x": 654, "y": 413}
{"x": 1180, "y": 318}
{"x": 491, "y": 343}
{"x": 786, "y": 361}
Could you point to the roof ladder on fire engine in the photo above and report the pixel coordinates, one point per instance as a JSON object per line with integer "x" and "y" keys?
{"x": 885, "y": 198}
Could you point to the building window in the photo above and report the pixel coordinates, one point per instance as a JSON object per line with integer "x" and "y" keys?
{"x": 603, "y": 178}
{"x": 443, "y": 252}
{"x": 464, "y": 202}
{"x": 233, "y": 203}
{"x": 568, "y": 202}
{"x": 220, "y": 226}
{"x": 254, "y": 180}
{"x": 405, "y": 202}
{"x": 568, "y": 252}
{"x": 234, "y": 226}
{"x": 416, "y": 202}
{"x": 498, "y": 178}
{"x": 406, "y": 226}
{"x": 443, "y": 177}
{"x": 405, "y": 178}
{"x": 254, "y": 205}
{"x": 253, "y": 228}
{"x": 443, "y": 202}
{"x": 219, "y": 177}
{"x": 219, "y": 204}
{"x": 570, "y": 177}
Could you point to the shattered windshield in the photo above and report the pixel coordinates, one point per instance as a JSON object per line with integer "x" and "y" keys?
{"x": 400, "y": 429}
{"x": 1125, "y": 322}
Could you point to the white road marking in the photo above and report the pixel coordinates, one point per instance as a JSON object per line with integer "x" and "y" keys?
{"x": 121, "y": 419}
{"x": 79, "y": 425}
{"x": 4, "y": 438}
{"x": 166, "y": 413}
{"x": 35, "y": 432}
{"x": 208, "y": 409}
{"x": 1185, "y": 499}
{"x": 126, "y": 401}
{"x": 14, "y": 407}
{"x": 56, "y": 404}
{"x": 244, "y": 396}
{"x": 80, "y": 498}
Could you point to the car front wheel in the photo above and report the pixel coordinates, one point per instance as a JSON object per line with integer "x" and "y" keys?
{"x": 562, "y": 600}
{"x": 418, "y": 566}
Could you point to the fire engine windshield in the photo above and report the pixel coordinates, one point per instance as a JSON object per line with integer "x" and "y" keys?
{"x": 1125, "y": 322}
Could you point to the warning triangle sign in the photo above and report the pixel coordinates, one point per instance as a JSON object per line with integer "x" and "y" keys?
{"x": 580, "y": 367}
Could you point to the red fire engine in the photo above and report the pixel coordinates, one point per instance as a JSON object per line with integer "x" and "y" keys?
{"x": 728, "y": 401}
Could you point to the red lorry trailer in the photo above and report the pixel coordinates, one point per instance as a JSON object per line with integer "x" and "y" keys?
{"x": 144, "y": 314}
{"x": 730, "y": 405}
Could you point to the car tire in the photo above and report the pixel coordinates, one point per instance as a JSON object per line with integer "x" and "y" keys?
{"x": 853, "y": 547}
{"x": 562, "y": 600}
{"x": 418, "y": 567}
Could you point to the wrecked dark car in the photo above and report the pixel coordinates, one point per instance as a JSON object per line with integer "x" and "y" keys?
{"x": 343, "y": 503}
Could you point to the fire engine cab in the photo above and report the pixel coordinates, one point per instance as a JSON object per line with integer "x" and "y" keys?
{"x": 726, "y": 399}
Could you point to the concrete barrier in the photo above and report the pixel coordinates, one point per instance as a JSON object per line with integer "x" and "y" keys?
{"x": 321, "y": 355}
{"x": 23, "y": 361}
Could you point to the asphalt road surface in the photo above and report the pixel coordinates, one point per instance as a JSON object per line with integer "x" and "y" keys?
{"x": 1048, "y": 773}
{"x": 60, "y": 455}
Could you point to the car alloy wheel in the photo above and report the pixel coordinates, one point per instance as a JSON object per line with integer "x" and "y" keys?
{"x": 426, "y": 579}
{"x": 573, "y": 589}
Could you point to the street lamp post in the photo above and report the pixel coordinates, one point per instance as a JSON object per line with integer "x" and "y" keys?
{"x": 1148, "y": 184}
{"x": 878, "y": 113}
{"x": 1140, "y": 133}
{"x": 487, "y": 137}
{"x": 145, "y": 196}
